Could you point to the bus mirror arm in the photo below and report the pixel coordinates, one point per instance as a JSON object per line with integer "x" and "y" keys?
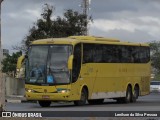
{"x": 70, "y": 62}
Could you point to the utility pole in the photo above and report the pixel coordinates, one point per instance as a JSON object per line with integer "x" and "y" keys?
{"x": 85, "y": 8}
{"x": 2, "y": 86}
{"x": 0, "y": 21}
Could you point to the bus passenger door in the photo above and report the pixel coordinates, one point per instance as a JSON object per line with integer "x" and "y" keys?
{"x": 89, "y": 68}
{"x": 83, "y": 72}
{"x": 75, "y": 76}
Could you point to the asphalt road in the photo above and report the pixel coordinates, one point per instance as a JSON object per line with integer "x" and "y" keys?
{"x": 150, "y": 102}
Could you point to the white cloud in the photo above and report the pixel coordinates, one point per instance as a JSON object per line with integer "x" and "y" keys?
{"x": 28, "y": 14}
{"x": 33, "y": 13}
{"x": 150, "y": 19}
{"x": 107, "y": 25}
{"x": 12, "y": 15}
{"x": 147, "y": 24}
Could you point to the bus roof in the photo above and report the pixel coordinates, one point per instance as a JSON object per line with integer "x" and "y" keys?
{"x": 85, "y": 39}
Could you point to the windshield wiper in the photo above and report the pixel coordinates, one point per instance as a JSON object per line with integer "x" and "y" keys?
{"x": 57, "y": 69}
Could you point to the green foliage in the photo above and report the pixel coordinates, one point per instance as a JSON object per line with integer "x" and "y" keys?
{"x": 72, "y": 23}
{"x": 9, "y": 63}
{"x": 155, "y": 55}
{"x": 157, "y": 77}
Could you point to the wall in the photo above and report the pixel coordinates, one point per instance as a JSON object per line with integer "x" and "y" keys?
{"x": 14, "y": 86}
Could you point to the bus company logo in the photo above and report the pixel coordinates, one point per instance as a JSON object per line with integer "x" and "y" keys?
{"x": 6, "y": 114}
{"x": 45, "y": 90}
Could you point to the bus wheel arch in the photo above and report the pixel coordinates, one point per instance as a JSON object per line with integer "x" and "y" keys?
{"x": 83, "y": 97}
{"x": 86, "y": 88}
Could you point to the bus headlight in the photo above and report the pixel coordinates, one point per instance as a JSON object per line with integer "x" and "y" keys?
{"x": 21, "y": 69}
{"x": 29, "y": 90}
{"x": 17, "y": 70}
{"x": 63, "y": 91}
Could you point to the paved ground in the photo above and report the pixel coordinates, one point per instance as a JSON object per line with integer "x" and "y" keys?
{"x": 146, "y": 103}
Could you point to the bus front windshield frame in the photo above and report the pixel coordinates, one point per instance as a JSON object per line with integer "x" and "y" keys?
{"x": 47, "y": 64}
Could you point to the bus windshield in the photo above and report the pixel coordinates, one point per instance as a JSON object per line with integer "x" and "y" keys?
{"x": 48, "y": 64}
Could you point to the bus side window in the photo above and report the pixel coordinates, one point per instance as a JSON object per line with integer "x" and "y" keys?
{"x": 76, "y": 62}
{"x": 88, "y": 51}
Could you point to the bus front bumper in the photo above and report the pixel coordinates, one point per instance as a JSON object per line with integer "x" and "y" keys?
{"x": 48, "y": 96}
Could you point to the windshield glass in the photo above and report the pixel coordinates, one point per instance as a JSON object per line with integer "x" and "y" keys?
{"x": 48, "y": 64}
{"x": 37, "y": 61}
{"x": 57, "y": 69}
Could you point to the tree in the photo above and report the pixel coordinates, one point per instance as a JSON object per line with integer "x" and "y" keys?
{"x": 72, "y": 23}
{"x": 9, "y": 63}
{"x": 155, "y": 55}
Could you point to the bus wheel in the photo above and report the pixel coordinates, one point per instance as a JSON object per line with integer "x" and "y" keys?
{"x": 128, "y": 97}
{"x": 95, "y": 102}
{"x": 135, "y": 94}
{"x": 44, "y": 103}
{"x": 83, "y": 99}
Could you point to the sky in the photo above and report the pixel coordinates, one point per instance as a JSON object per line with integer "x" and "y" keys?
{"x": 127, "y": 20}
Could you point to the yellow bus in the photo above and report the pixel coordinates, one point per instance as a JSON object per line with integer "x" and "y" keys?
{"x": 86, "y": 68}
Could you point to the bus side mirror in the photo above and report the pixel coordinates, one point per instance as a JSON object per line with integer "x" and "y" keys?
{"x": 70, "y": 62}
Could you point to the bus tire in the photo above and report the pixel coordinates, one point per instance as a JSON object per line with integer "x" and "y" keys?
{"x": 135, "y": 94}
{"x": 44, "y": 103}
{"x": 83, "y": 99}
{"x": 128, "y": 97}
{"x": 95, "y": 102}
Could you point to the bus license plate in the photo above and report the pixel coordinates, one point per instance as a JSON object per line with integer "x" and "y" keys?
{"x": 45, "y": 96}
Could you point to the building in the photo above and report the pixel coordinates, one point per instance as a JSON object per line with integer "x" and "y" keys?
{"x": 5, "y": 52}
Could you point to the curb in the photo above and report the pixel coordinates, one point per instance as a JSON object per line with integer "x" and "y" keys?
{"x": 18, "y": 101}
{"x": 13, "y": 101}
